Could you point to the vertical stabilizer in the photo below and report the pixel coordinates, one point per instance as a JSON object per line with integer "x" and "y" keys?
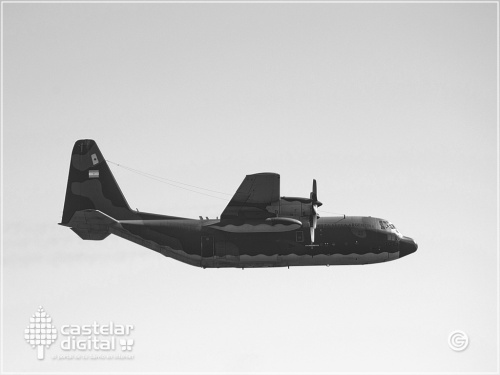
{"x": 91, "y": 185}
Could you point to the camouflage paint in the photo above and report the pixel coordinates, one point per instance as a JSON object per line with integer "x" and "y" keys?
{"x": 249, "y": 234}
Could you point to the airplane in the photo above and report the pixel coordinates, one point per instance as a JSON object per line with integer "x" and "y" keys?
{"x": 258, "y": 228}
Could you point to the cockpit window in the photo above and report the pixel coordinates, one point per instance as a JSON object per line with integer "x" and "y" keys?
{"x": 385, "y": 225}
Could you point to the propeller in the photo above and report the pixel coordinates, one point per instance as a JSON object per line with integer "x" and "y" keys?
{"x": 313, "y": 220}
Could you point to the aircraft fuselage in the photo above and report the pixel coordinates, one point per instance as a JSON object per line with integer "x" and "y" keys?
{"x": 258, "y": 227}
{"x": 340, "y": 240}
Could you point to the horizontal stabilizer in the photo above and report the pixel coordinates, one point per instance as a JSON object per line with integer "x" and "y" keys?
{"x": 91, "y": 224}
{"x": 86, "y": 234}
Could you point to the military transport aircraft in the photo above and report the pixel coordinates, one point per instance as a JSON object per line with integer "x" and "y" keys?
{"x": 258, "y": 228}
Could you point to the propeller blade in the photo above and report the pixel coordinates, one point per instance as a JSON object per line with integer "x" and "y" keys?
{"x": 314, "y": 209}
{"x": 314, "y": 193}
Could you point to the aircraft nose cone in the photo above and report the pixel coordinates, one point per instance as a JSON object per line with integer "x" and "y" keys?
{"x": 407, "y": 246}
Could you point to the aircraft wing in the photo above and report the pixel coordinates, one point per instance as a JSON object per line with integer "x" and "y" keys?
{"x": 255, "y": 194}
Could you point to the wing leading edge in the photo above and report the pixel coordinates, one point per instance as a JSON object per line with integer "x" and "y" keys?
{"x": 256, "y": 193}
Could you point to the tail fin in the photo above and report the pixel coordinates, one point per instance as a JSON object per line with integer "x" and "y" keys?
{"x": 91, "y": 185}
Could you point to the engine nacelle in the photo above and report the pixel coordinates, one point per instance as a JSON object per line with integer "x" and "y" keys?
{"x": 298, "y": 208}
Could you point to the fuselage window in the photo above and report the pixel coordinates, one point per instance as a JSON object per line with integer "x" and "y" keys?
{"x": 299, "y": 236}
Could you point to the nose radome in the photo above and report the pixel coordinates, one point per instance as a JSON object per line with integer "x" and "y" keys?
{"x": 407, "y": 246}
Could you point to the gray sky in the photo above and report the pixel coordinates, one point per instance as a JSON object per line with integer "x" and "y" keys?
{"x": 391, "y": 107}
